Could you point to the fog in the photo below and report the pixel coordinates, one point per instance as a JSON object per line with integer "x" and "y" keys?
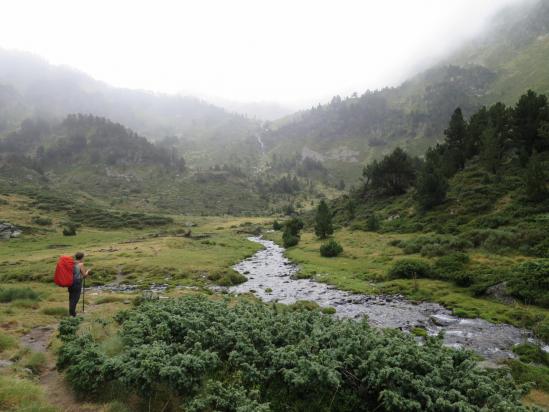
{"x": 291, "y": 52}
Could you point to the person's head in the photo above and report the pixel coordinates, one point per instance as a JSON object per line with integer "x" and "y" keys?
{"x": 79, "y": 256}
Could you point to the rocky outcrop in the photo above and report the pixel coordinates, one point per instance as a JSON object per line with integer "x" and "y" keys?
{"x": 8, "y": 231}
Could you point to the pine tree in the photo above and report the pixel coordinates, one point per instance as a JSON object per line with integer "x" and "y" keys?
{"x": 323, "y": 221}
{"x": 535, "y": 180}
{"x": 456, "y": 140}
{"x": 432, "y": 185}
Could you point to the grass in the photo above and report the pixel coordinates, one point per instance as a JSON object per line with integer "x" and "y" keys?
{"x": 369, "y": 256}
{"x": 56, "y": 311}
{"x": 7, "y": 341}
{"x": 11, "y": 294}
{"x": 22, "y": 395}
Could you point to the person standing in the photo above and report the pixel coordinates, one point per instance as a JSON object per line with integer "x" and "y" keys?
{"x": 79, "y": 273}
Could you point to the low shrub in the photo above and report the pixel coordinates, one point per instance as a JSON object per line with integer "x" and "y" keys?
{"x": 419, "y": 332}
{"x": 42, "y": 221}
{"x": 529, "y": 353}
{"x": 331, "y": 249}
{"x": 186, "y": 351}
{"x": 231, "y": 278}
{"x": 453, "y": 267}
{"x": 372, "y": 224}
{"x": 289, "y": 239}
{"x": 530, "y": 282}
{"x": 434, "y": 245}
{"x": 409, "y": 269}
{"x": 277, "y": 225}
{"x": 538, "y": 375}
{"x": 69, "y": 230}
{"x": 11, "y": 294}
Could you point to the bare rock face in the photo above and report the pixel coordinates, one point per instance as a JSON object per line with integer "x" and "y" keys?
{"x": 8, "y": 231}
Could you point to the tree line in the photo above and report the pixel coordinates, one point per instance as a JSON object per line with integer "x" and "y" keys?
{"x": 494, "y": 135}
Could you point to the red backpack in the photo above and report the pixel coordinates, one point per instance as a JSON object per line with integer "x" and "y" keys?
{"x": 64, "y": 271}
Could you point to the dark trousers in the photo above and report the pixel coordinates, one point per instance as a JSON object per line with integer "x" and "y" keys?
{"x": 74, "y": 295}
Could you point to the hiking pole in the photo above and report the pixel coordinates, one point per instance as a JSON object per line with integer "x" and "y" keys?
{"x": 83, "y": 293}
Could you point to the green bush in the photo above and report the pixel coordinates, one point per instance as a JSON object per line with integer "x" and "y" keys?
{"x": 533, "y": 374}
{"x": 277, "y": 225}
{"x": 331, "y": 249}
{"x": 530, "y": 282}
{"x": 453, "y": 267}
{"x": 289, "y": 239}
{"x": 200, "y": 354}
{"x": 11, "y": 294}
{"x": 69, "y": 230}
{"x": 294, "y": 226}
{"x": 409, "y": 269}
{"x": 529, "y": 353}
{"x": 42, "y": 221}
{"x": 372, "y": 224}
{"x": 231, "y": 278}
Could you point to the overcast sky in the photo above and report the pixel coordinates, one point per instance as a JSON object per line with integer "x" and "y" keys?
{"x": 289, "y": 51}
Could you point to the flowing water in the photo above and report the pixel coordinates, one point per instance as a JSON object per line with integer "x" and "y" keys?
{"x": 270, "y": 277}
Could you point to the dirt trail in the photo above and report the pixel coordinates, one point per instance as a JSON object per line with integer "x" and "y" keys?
{"x": 58, "y": 392}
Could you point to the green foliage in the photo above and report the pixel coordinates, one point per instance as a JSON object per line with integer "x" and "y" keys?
{"x": 277, "y": 225}
{"x": 435, "y": 245}
{"x": 42, "y": 221}
{"x": 7, "y": 341}
{"x": 69, "y": 230}
{"x": 294, "y": 225}
{"x": 323, "y": 221}
{"x": 393, "y": 175}
{"x": 410, "y": 269}
{"x": 373, "y": 224}
{"x": 419, "y": 332}
{"x": 453, "y": 267}
{"x": 456, "y": 136}
{"x": 68, "y": 328}
{"x": 535, "y": 181}
{"x": 289, "y": 239}
{"x": 18, "y": 395}
{"x": 530, "y": 282}
{"x": 11, "y": 294}
{"x": 538, "y": 375}
{"x": 331, "y": 248}
{"x": 431, "y": 185}
{"x": 57, "y": 311}
{"x": 216, "y": 355}
{"x": 529, "y": 353}
{"x": 36, "y": 362}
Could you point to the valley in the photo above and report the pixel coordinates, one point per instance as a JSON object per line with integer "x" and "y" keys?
{"x": 381, "y": 251}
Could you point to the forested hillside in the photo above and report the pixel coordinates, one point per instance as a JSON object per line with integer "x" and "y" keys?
{"x": 509, "y": 58}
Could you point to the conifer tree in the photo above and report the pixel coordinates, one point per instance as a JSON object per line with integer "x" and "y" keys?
{"x": 323, "y": 221}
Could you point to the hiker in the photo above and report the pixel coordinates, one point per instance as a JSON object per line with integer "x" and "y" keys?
{"x": 75, "y": 289}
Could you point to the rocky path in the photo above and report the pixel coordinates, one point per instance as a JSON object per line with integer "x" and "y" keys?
{"x": 58, "y": 392}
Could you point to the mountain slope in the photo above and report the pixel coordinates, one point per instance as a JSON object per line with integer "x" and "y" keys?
{"x": 509, "y": 58}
